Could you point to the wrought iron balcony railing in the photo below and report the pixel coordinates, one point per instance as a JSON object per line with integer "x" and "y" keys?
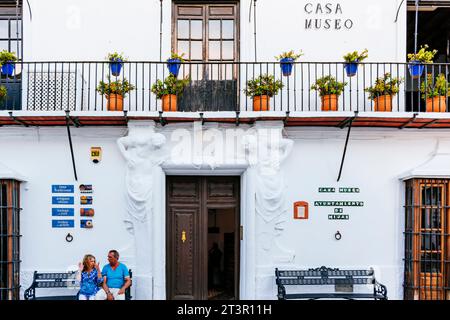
{"x": 219, "y": 86}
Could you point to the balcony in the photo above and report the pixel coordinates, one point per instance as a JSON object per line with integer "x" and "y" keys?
{"x": 52, "y": 93}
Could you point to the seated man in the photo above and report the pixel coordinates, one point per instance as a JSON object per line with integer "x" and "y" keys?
{"x": 116, "y": 279}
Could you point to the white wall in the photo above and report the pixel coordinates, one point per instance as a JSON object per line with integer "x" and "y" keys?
{"x": 281, "y": 27}
{"x": 372, "y": 237}
{"x": 43, "y": 157}
{"x": 88, "y": 30}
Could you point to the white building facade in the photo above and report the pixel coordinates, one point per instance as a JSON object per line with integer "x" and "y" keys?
{"x": 293, "y": 187}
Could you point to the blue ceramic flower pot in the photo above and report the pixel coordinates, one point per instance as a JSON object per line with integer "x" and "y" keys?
{"x": 415, "y": 69}
{"x": 8, "y": 69}
{"x": 351, "y": 68}
{"x": 116, "y": 67}
{"x": 286, "y": 66}
{"x": 174, "y": 66}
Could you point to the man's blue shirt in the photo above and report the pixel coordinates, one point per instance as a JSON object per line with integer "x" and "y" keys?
{"x": 115, "y": 278}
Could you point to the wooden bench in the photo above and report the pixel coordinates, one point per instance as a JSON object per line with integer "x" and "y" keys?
{"x": 342, "y": 280}
{"x": 58, "y": 280}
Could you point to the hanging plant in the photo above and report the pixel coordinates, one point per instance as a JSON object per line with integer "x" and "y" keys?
{"x": 353, "y": 59}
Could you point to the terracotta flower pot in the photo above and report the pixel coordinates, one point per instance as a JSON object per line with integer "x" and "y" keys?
{"x": 383, "y": 103}
{"x": 261, "y": 103}
{"x": 169, "y": 102}
{"x": 115, "y": 102}
{"x": 330, "y": 102}
{"x": 436, "y": 104}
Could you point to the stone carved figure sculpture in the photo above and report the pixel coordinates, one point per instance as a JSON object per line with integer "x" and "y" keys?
{"x": 143, "y": 150}
{"x": 269, "y": 149}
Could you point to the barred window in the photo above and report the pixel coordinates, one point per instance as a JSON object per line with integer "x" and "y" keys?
{"x": 427, "y": 241}
{"x": 9, "y": 240}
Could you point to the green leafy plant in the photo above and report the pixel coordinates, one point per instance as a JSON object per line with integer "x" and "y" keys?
{"x": 6, "y": 56}
{"x": 328, "y": 85}
{"x": 439, "y": 87}
{"x": 175, "y": 55}
{"x": 424, "y": 55}
{"x": 170, "y": 85}
{"x": 114, "y": 57}
{"x": 263, "y": 85}
{"x": 120, "y": 87}
{"x": 385, "y": 85}
{"x": 3, "y": 92}
{"x": 356, "y": 57}
{"x": 289, "y": 54}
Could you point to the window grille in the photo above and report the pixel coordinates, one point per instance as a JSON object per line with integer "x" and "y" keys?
{"x": 51, "y": 91}
{"x": 427, "y": 241}
{"x": 9, "y": 240}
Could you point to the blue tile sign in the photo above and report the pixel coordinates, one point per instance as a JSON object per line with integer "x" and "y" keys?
{"x": 62, "y": 200}
{"x": 63, "y": 224}
{"x": 63, "y": 212}
{"x": 62, "y": 188}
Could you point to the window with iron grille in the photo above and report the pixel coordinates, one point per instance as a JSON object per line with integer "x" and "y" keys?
{"x": 427, "y": 241}
{"x": 9, "y": 240}
{"x": 11, "y": 40}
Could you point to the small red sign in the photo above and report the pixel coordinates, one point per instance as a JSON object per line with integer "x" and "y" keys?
{"x": 301, "y": 210}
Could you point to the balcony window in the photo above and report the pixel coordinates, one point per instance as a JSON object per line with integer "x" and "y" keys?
{"x": 11, "y": 40}
{"x": 207, "y": 34}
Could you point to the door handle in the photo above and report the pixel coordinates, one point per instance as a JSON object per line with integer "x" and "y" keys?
{"x": 183, "y": 236}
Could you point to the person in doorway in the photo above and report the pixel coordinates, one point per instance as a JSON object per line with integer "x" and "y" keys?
{"x": 90, "y": 277}
{"x": 116, "y": 279}
{"x": 214, "y": 257}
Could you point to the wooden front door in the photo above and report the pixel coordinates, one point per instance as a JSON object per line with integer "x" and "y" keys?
{"x": 188, "y": 200}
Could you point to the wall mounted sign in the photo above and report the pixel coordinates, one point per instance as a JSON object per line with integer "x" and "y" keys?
{"x": 339, "y": 203}
{"x": 96, "y": 154}
{"x": 86, "y": 224}
{"x": 349, "y": 190}
{"x": 63, "y": 212}
{"x": 338, "y": 213}
{"x": 62, "y": 188}
{"x": 62, "y": 200}
{"x": 326, "y": 16}
{"x": 338, "y": 217}
{"x": 85, "y": 200}
{"x": 87, "y": 212}
{"x": 63, "y": 224}
{"x": 300, "y": 210}
{"x": 86, "y": 188}
{"x": 327, "y": 190}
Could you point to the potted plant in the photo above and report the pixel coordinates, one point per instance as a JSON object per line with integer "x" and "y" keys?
{"x": 382, "y": 92}
{"x": 435, "y": 93}
{"x": 3, "y": 94}
{"x": 416, "y": 61}
{"x": 174, "y": 63}
{"x": 329, "y": 90}
{"x": 286, "y": 61}
{"x": 262, "y": 89}
{"x": 115, "y": 63}
{"x": 352, "y": 59}
{"x": 7, "y": 60}
{"x": 115, "y": 91}
{"x": 168, "y": 90}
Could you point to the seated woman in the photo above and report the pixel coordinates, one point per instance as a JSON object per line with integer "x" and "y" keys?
{"x": 90, "y": 277}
